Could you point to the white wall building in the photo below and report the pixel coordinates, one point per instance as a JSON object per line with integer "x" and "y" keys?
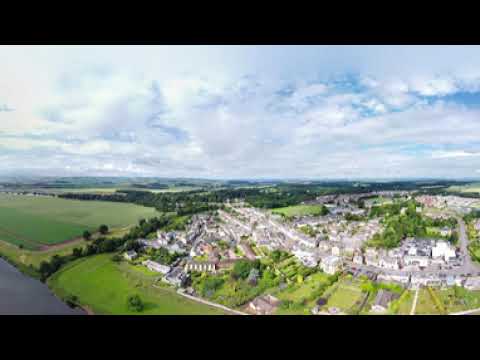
{"x": 443, "y": 250}
{"x": 331, "y": 264}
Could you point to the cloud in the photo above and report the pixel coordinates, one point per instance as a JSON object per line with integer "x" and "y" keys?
{"x": 290, "y": 111}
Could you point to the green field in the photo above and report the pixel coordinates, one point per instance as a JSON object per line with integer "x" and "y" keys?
{"x": 470, "y": 188}
{"x": 346, "y": 295}
{"x": 34, "y": 258}
{"x": 297, "y": 292}
{"x": 34, "y": 221}
{"x": 103, "y": 286}
{"x": 111, "y": 190}
{"x": 299, "y": 210}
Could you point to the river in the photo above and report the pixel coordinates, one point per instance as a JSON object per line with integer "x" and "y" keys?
{"x": 22, "y": 295}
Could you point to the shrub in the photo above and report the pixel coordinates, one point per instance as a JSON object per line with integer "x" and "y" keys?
{"x": 135, "y": 303}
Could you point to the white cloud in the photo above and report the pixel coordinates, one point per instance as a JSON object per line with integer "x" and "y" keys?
{"x": 239, "y": 111}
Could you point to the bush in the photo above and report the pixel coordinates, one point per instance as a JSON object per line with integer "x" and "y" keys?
{"x": 135, "y": 303}
{"x": 71, "y": 300}
{"x": 103, "y": 229}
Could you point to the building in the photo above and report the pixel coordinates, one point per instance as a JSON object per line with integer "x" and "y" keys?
{"x": 130, "y": 255}
{"x": 443, "y": 250}
{"x": 358, "y": 259}
{"x": 372, "y": 252}
{"x": 445, "y": 231}
{"x": 371, "y": 261}
{"x": 307, "y": 258}
{"x": 397, "y": 278}
{"x": 201, "y": 266}
{"x": 383, "y": 300}
{"x": 157, "y": 267}
{"x": 176, "y": 277}
{"x": 264, "y": 305}
{"x": 336, "y": 250}
{"x": 472, "y": 283}
{"x": 331, "y": 264}
{"x": 388, "y": 263}
{"x": 421, "y": 261}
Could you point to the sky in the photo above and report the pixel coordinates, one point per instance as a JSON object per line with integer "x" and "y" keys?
{"x": 243, "y": 112}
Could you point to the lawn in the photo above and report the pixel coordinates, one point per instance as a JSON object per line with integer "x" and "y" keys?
{"x": 104, "y": 286}
{"x": 405, "y": 303}
{"x": 299, "y": 210}
{"x": 346, "y": 296}
{"x": 34, "y": 221}
{"x": 34, "y": 258}
{"x": 425, "y": 304}
{"x": 459, "y": 300}
{"x": 297, "y": 292}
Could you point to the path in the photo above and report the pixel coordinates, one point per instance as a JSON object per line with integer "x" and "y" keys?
{"x": 206, "y": 302}
{"x": 415, "y": 299}
{"x": 466, "y": 312}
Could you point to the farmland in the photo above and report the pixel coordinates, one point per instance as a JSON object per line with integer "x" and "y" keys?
{"x": 299, "y": 210}
{"x": 33, "y": 222}
{"x": 103, "y": 286}
{"x": 470, "y": 188}
{"x": 111, "y": 190}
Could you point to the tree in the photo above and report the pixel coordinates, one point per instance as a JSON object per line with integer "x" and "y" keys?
{"x": 77, "y": 252}
{"x": 103, "y": 229}
{"x": 242, "y": 268}
{"x": 135, "y": 303}
{"x": 87, "y": 235}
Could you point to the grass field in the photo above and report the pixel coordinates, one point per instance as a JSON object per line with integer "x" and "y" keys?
{"x": 346, "y": 295}
{"x": 298, "y": 292}
{"x": 34, "y": 258}
{"x": 470, "y": 188}
{"x": 34, "y": 221}
{"x": 110, "y": 190}
{"x": 299, "y": 210}
{"x": 104, "y": 286}
{"x": 405, "y": 303}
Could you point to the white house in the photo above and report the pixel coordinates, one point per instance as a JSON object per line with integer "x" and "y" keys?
{"x": 358, "y": 259}
{"x": 472, "y": 283}
{"x": 130, "y": 255}
{"x": 155, "y": 266}
{"x": 399, "y": 278}
{"x": 371, "y": 261}
{"x": 201, "y": 266}
{"x": 422, "y": 261}
{"x": 388, "y": 263}
{"x": 307, "y": 258}
{"x": 443, "y": 250}
{"x": 331, "y": 264}
{"x": 445, "y": 231}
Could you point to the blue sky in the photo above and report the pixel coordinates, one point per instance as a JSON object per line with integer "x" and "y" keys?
{"x": 241, "y": 111}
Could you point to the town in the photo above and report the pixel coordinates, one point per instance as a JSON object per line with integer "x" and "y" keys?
{"x": 337, "y": 242}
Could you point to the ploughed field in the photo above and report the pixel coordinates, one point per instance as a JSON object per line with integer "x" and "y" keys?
{"x": 36, "y": 221}
{"x": 103, "y": 286}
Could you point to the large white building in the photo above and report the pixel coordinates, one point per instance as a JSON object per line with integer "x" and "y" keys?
{"x": 443, "y": 250}
{"x": 331, "y": 264}
{"x": 155, "y": 266}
